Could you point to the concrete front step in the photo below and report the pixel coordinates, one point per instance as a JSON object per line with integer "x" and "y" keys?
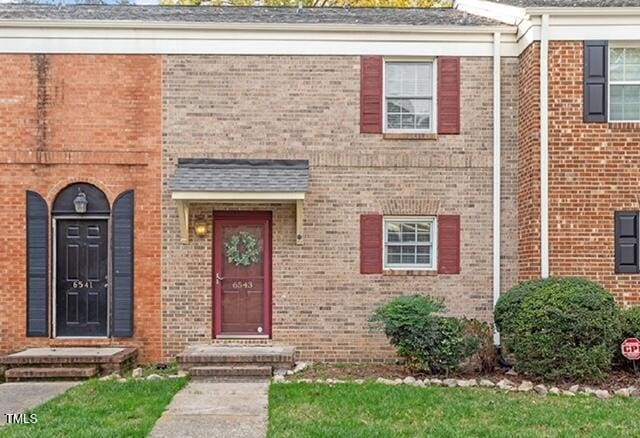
{"x": 234, "y": 373}
{"x": 39, "y": 373}
{"x": 105, "y": 360}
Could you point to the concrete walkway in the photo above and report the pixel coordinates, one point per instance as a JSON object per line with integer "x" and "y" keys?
{"x": 216, "y": 409}
{"x": 16, "y": 398}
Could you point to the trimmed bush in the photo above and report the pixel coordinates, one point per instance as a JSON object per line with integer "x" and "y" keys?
{"x": 428, "y": 341}
{"x": 560, "y": 328}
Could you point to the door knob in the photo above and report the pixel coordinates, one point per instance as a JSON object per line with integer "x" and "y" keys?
{"x": 218, "y": 278}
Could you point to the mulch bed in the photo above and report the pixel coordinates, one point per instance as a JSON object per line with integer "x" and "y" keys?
{"x": 616, "y": 379}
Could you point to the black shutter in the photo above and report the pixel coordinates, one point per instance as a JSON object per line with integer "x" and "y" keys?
{"x": 627, "y": 233}
{"x": 595, "y": 81}
{"x": 37, "y": 265}
{"x": 122, "y": 287}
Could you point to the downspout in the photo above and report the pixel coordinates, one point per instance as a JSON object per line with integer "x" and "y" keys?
{"x": 544, "y": 147}
{"x": 497, "y": 167}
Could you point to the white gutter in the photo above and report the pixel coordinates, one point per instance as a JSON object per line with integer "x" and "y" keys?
{"x": 497, "y": 168}
{"x": 544, "y": 147}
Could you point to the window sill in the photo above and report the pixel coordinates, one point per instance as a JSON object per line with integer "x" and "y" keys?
{"x": 409, "y": 136}
{"x": 623, "y": 126}
{"x": 409, "y": 273}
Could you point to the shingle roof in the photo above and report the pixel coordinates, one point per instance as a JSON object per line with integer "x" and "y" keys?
{"x": 570, "y": 3}
{"x": 206, "y": 175}
{"x": 253, "y": 14}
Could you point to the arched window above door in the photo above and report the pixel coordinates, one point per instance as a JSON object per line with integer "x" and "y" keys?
{"x": 81, "y": 198}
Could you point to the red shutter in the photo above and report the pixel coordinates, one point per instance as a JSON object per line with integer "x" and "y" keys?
{"x": 371, "y": 94}
{"x": 449, "y": 244}
{"x": 370, "y": 244}
{"x": 448, "y": 95}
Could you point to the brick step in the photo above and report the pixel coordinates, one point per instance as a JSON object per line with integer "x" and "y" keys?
{"x": 39, "y": 373}
{"x": 211, "y": 355}
{"x": 232, "y": 371}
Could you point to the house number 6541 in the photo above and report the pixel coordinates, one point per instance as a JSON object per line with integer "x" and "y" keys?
{"x": 79, "y": 284}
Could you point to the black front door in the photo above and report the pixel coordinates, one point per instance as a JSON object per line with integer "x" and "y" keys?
{"x": 81, "y": 277}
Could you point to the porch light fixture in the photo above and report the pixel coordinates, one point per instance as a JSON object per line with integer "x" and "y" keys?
{"x": 200, "y": 229}
{"x": 80, "y": 202}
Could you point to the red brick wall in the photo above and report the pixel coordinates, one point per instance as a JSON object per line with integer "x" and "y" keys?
{"x": 68, "y": 118}
{"x": 594, "y": 171}
{"x": 529, "y": 164}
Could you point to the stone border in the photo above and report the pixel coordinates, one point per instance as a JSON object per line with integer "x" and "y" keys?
{"x": 504, "y": 385}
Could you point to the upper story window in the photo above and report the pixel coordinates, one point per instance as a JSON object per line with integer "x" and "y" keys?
{"x": 408, "y": 93}
{"x": 624, "y": 84}
{"x": 409, "y": 243}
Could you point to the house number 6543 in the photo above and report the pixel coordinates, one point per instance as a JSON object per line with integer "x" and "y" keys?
{"x": 79, "y": 284}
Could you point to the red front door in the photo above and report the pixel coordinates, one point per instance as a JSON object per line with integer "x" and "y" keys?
{"x": 242, "y": 273}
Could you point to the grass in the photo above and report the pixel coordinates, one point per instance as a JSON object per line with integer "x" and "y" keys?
{"x": 101, "y": 409}
{"x": 377, "y": 410}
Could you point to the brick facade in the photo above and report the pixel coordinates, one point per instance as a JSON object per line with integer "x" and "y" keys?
{"x": 594, "y": 171}
{"x": 71, "y": 118}
{"x": 308, "y": 108}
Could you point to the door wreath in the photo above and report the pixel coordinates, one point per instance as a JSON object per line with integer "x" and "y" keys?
{"x": 242, "y": 249}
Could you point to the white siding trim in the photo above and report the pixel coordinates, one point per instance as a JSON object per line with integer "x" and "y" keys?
{"x": 544, "y": 148}
{"x": 497, "y": 169}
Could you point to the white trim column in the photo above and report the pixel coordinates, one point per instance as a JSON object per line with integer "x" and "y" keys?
{"x": 497, "y": 169}
{"x": 544, "y": 147}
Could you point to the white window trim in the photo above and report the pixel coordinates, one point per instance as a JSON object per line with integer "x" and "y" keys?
{"x": 434, "y": 243}
{"x": 434, "y": 98}
{"x": 634, "y": 45}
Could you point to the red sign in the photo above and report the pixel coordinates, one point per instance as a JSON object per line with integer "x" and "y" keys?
{"x": 631, "y": 349}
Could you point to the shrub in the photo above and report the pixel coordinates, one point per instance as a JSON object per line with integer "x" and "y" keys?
{"x": 428, "y": 341}
{"x": 485, "y": 359}
{"x": 560, "y": 328}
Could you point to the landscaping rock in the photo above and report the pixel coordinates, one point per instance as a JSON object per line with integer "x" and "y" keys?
{"x": 451, "y": 383}
{"x": 174, "y": 376}
{"x": 154, "y": 377}
{"x": 122, "y": 380}
{"x": 554, "y": 391}
{"x": 409, "y": 380}
{"x": 300, "y": 366}
{"x": 603, "y": 394}
{"x": 525, "y": 386}
{"x": 434, "y": 381}
{"x": 359, "y": 381}
{"x": 279, "y": 372}
{"x": 383, "y": 380}
{"x": 505, "y": 384}
{"x": 397, "y": 382}
{"x": 511, "y": 372}
{"x": 137, "y": 373}
{"x": 540, "y": 389}
{"x": 467, "y": 383}
{"x": 420, "y": 383}
{"x": 588, "y": 391}
{"x": 635, "y": 392}
{"x": 568, "y": 393}
{"x": 278, "y": 378}
{"x": 305, "y": 381}
{"x": 487, "y": 383}
{"x": 574, "y": 389}
{"x": 112, "y": 376}
{"x": 624, "y": 392}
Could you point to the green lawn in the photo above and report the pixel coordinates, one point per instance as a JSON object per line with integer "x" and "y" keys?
{"x": 377, "y": 410}
{"x": 101, "y": 409}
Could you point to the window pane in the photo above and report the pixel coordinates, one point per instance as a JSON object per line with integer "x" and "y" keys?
{"x": 424, "y": 255}
{"x": 408, "y": 255}
{"x": 624, "y": 64}
{"x": 409, "y": 114}
{"x": 394, "y": 254}
{"x": 625, "y": 102}
{"x": 393, "y": 232}
{"x": 409, "y": 79}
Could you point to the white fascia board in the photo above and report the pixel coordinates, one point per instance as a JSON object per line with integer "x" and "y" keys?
{"x": 237, "y": 196}
{"x": 508, "y": 14}
{"x": 259, "y": 40}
